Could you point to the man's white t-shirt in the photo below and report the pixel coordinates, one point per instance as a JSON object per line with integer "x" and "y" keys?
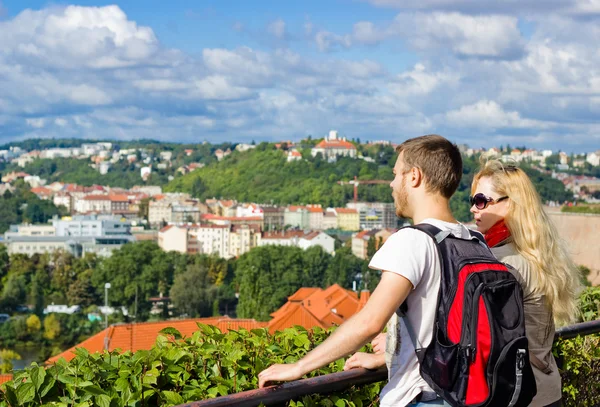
{"x": 413, "y": 255}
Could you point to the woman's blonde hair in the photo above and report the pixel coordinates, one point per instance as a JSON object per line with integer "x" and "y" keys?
{"x": 536, "y": 239}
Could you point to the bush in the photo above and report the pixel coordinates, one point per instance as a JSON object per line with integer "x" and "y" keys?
{"x": 580, "y": 357}
{"x": 175, "y": 371}
{"x": 211, "y": 363}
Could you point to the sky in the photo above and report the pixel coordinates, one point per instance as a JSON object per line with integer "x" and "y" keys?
{"x": 480, "y": 72}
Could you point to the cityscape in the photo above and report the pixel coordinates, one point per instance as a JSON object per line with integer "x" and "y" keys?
{"x": 191, "y": 194}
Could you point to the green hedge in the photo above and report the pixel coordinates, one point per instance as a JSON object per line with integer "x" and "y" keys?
{"x": 580, "y": 357}
{"x": 175, "y": 370}
{"x": 210, "y": 364}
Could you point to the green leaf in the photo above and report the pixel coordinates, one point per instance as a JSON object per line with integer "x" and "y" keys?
{"x": 37, "y": 375}
{"x": 25, "y": 393}
{"x": 121, "y": 384}
{"x": 151, "y": 377}
{"x": 95, "y": 390}
{"x": 102, "y": 400}
{"x": 48, "y": 384}
{"x": 171, "y": 331}
{"x": 63, "y": 378}
{"x": 172, "y": 397}
{"x": 10, "y": 395}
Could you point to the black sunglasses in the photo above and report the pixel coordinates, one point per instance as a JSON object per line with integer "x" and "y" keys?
{"x": 481, "y": 201}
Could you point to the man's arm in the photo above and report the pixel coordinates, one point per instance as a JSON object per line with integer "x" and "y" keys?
{"x": 390, "y": 293}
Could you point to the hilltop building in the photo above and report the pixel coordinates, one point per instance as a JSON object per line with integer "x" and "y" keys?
{"x": 333, "y": 146}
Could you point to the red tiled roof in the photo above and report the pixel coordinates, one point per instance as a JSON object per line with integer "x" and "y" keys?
{"x": 5, "y": 378}
{"x": 42, "y": 191}
{"x": 311, "y": 235}
{"x": 296, "y": 154}
{"x": 288, "y": 234}
{"x": 302, "y": 293}
{"x": 166, "y": 228}
{"x": 95, "y": 197}
{"x": 210, "y": 216}
{"x": 311, "y": 307}
{"x": 142, "y": 336}
{"x": 119, "y": 198}
{"x": 294, "y": 208}
{"x": 345, "y": 210}
{"x": 362, "y": 235}
{"x": 336, "y": 144}
{"x": 314, "y": 209}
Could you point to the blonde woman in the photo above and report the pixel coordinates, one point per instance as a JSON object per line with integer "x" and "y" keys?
{"x": 509, "y": 212}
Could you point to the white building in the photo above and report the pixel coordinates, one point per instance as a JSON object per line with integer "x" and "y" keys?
{"x": 333, "y": 146}
{"x": 299, "y": 238}
{"x": 593, "y": 158}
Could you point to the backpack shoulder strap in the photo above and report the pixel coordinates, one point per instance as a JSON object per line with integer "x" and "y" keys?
{"x": 434, "y": 232}
{"x": 438, "y": 236}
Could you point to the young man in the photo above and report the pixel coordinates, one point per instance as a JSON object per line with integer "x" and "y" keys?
{"x": 427, "y": 173}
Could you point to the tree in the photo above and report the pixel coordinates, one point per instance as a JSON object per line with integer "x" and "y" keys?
{"x": 193, "y": 293}
{"x": 266, "y": 276}
{"x": 343, "y": 268}
{"x": 14, "y": 292}
{"x": 7, "y": 356}
{"x": 51, "y": 327}
{"x": 371, "y": 247}
{"x": 33, "y": 324}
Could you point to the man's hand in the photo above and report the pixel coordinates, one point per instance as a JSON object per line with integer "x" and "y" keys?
{"x": 279, "y": 373}
{"x": 378, "y": 343}
{"x": 366, "y": 360}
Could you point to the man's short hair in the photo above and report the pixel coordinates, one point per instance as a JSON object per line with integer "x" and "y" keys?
{"x": 438, "y": 159}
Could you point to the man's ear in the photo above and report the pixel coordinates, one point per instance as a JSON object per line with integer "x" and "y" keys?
{"x": 416, "y": 177}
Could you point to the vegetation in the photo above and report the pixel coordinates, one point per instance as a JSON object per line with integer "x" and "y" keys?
{"x": 176, "y": 370}
{"x": 580, "y": 357}
{"x": 198, "y": 285}
{"x": 79, "y": 171}
{"x": 264, "y": 175}
{"x": 593, "y": 209}
{"x": 211, "y": 363}
{"x": 266, "y": 277}
{"x": 22, "y": 206}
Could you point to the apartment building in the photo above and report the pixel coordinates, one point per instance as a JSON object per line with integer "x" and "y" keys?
{"x": 347, "y": 219}
{"x": 78, "y": 236}
{"x": 202, "y": 238}
{"x": 375, "y": 215}
{"x": 296, "y": 216}
{"x": 274, "y": 217}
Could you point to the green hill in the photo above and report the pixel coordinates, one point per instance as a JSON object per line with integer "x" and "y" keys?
{"x": 264, "y": 175}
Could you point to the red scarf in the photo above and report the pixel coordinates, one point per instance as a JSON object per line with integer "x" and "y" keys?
{"x": 497, "y": 233}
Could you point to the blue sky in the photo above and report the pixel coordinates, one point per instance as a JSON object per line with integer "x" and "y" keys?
{"x": 480, "y": 72}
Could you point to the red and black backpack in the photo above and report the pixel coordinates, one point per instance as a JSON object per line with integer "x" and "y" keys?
{"x": 478, "y": 355}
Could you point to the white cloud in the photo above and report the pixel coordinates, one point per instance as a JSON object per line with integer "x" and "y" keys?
{"x": 37, "y": 123}
{"x": 470, "y": 71}
{"x": 420, "y": 81}
{"x": 482, "y": 36}
{"x": 488, "y": 114}
{"x": 72, "y": 37}
{"x": 477, "y": 7}
{"x": 327, "y": 41}
{"x": 277, "y": 29}
{"x": 59, "y": 121}
{"x": 471, "y": 36}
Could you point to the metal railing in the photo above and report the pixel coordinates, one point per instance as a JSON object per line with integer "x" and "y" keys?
{"x": 276, "y": 395}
